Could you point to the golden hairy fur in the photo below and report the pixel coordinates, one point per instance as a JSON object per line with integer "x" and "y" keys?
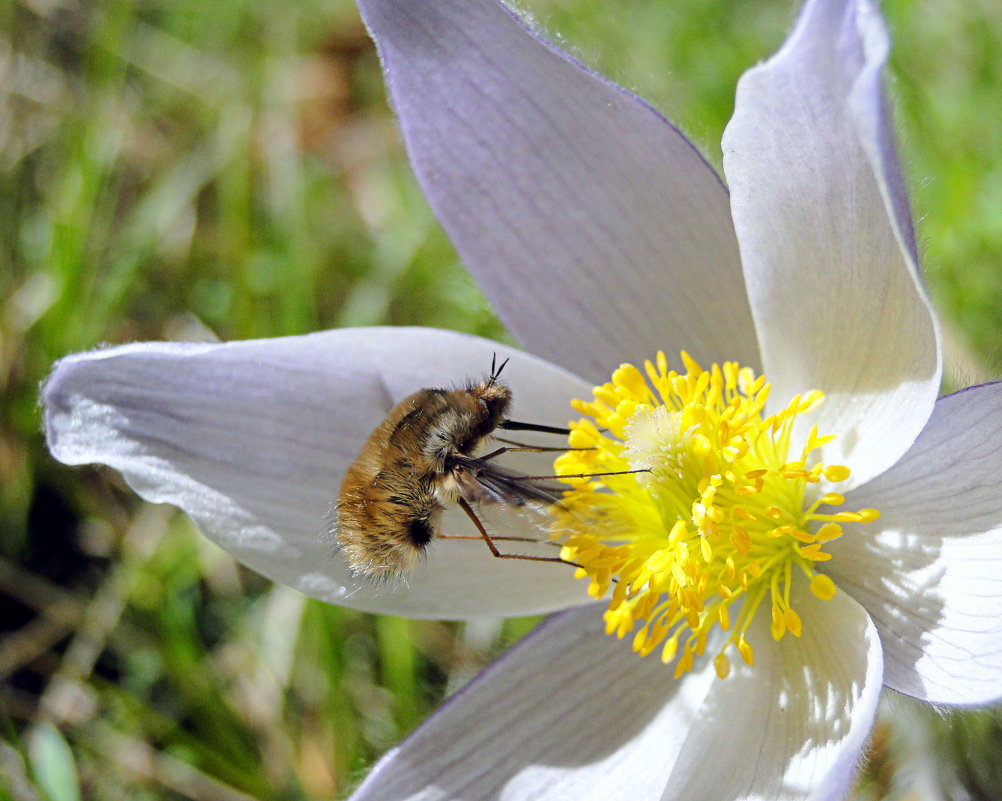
{"x": 392, "y": 496}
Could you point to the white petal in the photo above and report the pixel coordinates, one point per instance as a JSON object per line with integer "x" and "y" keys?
{"x": 251, "y": 439}
{"x": 826, "y": 238}
{"x": 794, "y": 725}
{"x": 572, "y": 714}
{"x": 568, "y": 713}
{"x": 594, "y": 227}
{"x": 929, "y": 571}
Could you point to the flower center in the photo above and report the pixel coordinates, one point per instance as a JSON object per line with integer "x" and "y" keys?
{"x": 728, "y": 511}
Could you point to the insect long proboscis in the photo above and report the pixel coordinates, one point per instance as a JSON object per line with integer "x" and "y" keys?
{"x": 419, "y": 459}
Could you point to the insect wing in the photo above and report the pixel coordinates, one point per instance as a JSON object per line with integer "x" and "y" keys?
{"x": 483, "y": 481}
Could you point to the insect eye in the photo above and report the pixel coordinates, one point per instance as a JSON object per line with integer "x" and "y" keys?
{"x": 493, "y": 407}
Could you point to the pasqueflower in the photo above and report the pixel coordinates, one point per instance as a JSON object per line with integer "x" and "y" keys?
{"x": 602, "y": 236}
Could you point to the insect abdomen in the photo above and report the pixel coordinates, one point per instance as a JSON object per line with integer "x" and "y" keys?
{"x": 384, "y": 525}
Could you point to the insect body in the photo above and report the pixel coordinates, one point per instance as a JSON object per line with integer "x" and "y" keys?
{"x": 419, "y": 460}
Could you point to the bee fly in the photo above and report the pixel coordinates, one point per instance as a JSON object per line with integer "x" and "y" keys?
{"x": 421, "y": 459}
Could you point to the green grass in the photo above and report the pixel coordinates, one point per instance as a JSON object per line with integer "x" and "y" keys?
{"x": 172, "y": 168}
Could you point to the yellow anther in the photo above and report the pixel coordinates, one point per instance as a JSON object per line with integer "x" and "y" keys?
{"x": 606, "y": 394}
{"x": 685, "y": 663}
{"x": 823, "y": 587}
{"x": 811, "y": 401}
{"x": 741, "y": 540}
{"x": 747, "y": 652}
{"x": 802, "y": 536}
{"x": 691, "y": 365}
{"x": 705, "y": 549}
{"x": 701, "y": 445}
{"x": 669, "y": 651}
{"x": 722, "y": 665}
{"x": 814, "y": 442}
{"x": 629, "y": 379}
{"x": 626, "y": 408}
{"x": 829, "y": 532}
{"x": 868, "y": 515}
{"x": 729, "y": 510}
{"x": 836, "y": 472}
{"x": 793, "y": 623}
{"x": 778, "y": 627}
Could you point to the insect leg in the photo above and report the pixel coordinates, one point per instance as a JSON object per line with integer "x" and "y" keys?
{"x": 494, "y": 548}
{"x": 536, "y": 540}
{"x": 525, "y": 446}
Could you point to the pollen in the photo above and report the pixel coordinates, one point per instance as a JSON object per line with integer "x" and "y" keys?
{"x": 725, "y": 508}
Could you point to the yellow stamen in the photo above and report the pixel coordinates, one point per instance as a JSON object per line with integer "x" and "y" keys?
{"x": 728, "y": 512}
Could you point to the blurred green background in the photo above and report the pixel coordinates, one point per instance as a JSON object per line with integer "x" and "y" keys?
{"x": 171, "y": 168}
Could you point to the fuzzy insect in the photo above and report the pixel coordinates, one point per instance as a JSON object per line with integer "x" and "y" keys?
{"x": 420, "y": 460}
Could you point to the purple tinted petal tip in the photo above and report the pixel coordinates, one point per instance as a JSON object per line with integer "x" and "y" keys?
{"x": 596, "y": 229}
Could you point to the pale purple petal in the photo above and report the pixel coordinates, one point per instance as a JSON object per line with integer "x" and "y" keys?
{"x": 594, "y": 227}
{"x": 251, "y": 439}
{"x": 567, "y": 713}
{"x": 793, "y": 726}
{"x": 929, "y": 571}
{"x": 572, "y": 713}
{"x": 826, "y": 239}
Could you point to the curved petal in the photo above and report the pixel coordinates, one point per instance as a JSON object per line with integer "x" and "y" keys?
{"x": 251, "y": 439}
{"x": 826, "y": 238}
{"x": 798, "y": 719}
{"x": 567, "y": 713}
{"x": 929, "y": 571}
{"x": 593, "y": 226}
{"x": 572, "y": 713}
